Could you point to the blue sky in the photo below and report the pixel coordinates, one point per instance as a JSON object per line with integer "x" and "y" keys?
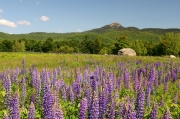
{"x": 61, "y": 16}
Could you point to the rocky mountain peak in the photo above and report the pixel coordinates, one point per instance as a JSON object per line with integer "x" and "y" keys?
{"x": 115, "y": 25}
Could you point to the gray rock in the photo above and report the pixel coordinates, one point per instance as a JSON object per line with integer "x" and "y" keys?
{"x": 127, "y": 51}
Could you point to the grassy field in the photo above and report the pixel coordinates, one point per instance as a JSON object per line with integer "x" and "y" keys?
{"x": 50, "y": 60}
{"x": 70, "y": 79}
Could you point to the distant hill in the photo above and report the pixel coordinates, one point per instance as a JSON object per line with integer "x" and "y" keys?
{"x": 107, "y": 34}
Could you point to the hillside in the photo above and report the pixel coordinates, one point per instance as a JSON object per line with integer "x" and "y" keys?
{"x": 107, "y": 33}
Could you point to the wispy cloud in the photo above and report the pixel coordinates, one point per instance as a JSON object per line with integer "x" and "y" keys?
{"x": 79, "y": 30}
{"x": 44, "y": 18}
{"x": 7, "y": 23}
{"x": 23, "y": 22}
{"x": 1, "y": 11}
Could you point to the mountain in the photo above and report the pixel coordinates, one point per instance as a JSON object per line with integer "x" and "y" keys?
{"x": 116, "y": 26}
{"x": 107, "y": 34}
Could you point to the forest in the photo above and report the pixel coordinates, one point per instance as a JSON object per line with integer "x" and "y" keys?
{"x": 104, "y": 40}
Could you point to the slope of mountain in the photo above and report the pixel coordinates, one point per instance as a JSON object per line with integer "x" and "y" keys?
{"x": 107, "y": 34}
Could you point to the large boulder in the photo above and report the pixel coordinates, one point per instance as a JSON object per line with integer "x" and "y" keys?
{"x": 127, "y": 51}
{"x": 172, "y": 56}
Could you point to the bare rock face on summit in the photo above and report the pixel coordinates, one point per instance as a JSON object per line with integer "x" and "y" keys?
{"x": 127, "y": 52}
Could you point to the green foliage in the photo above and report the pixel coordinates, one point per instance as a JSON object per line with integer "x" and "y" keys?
{"x": 18, "y": 46}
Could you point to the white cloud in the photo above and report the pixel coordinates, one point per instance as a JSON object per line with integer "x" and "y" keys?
{"x": 23, "y": 23}
{"x": 79, "y": 30}
{"x": 7, "y": 23}
{"x": 1, "y": 11}
{"x": 44, "y": 18}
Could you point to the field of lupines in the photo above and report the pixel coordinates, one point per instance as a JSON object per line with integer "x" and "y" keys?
{"x": 89, "y": 86}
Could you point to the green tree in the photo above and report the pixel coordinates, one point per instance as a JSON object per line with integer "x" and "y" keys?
{"x": 97, "y": 46}
{"x": 8, "y": 45}
{"x": 48, "y": 45}
{"x": 139, "y": 47}
{"x": 65, "y": 49}
{"x": 18, "y": 46}
{"x": 121, "y": 42}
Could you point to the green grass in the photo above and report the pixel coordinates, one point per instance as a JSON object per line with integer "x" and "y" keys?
{"x": 50, "y": 60}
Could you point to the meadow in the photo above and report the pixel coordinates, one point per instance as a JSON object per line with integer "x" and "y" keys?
{"x": 71, "y": 86}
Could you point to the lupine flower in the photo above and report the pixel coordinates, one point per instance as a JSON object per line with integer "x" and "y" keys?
{"x": 94, "y": 84}
{"x": 152, "y": 76}
{"x": 167, "y": 114}
{"x": 8, "y": 88}
{"x": 127, "y": 79}
{"x": 112, "y": 110}
{"x": 48, "y": 102}
{"x": 140, "y": 105}
{"x": 83, "y": 108}
{"x": 31, "y": 114}
{"x": 64, "y": 96}
{"x": 38, "y": 88}
{"x": 54, "y": 77}
{"x": 148, "y": 94}
{"x": 57, "y": 112}
{"x": 154, "y": 112}
{"x": 71, "y": 95}
{"x": 119, "y": 82}
{"x": 94, "y": 110}
{"x": 136, "y": 81}
{"x": 14, "y": 107}
{"x": 103, "y": 103}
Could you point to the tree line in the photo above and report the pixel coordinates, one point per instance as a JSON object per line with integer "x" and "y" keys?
{"x": 167, "y": 45}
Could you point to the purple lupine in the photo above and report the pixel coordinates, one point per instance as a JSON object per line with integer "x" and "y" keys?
{"x": 148, "y": 94}
{"x": 31, "y": 114}
{"x": 64, "y": 95}
{"x": 83, "y": 108}
{"x": 103, "y": 103}
{"x": 14, "y": 107}
{"x": 119, "y": 82}
{"x": 8, "y": 88}
{"x": 38, "y": 88}
{"x": 154, "y": 112}
{"x": 160, "y": 75}
{"x": 71, "y": 95}
{"x": 112, "y": 110}
{"x": 136, "y": 81}
{"x": 48, "y": 102}
{"x": 94, "y": 84}
{"x": 110, "y": 86}
{"x": 54, "y": 78}
{"x": 57, "y": 112}
{"x": 77, "y": 88}
{"x": 127, "y": 79}
{"x": 140, "y": 104}
{"x": 151, "y": 77}
{"x": 23, "y": 90}
{"x": 167, "y": 114}
{"x": 94, "y": 109}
